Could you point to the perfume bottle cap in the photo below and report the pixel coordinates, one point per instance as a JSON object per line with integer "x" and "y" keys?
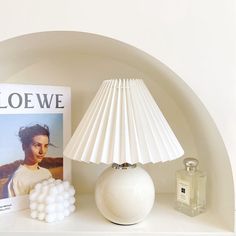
{"x": 191, "y": 163}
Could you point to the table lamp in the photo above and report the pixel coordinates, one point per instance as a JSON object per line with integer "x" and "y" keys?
{"x": 123, "y": 126}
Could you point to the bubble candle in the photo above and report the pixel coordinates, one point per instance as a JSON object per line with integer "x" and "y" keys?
{"x": 52, "y": 200}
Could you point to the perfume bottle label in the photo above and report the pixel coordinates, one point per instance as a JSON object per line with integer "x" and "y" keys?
{"x": 183, "y": 191}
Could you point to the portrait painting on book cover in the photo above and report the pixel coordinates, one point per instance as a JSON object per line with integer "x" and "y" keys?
{"x": 31, "y": 151}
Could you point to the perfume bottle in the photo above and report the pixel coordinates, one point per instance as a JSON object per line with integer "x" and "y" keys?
{"x": 190, "y": 189}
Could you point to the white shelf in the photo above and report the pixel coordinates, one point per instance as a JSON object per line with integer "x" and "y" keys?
{"x": 163, "y": 220}
{"x": 41, "y": 59}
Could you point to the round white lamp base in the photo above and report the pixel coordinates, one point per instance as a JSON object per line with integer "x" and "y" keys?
{"x": 124, "y": 194}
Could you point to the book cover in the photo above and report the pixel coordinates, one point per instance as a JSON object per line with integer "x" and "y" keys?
{"x": 35, "y": 126}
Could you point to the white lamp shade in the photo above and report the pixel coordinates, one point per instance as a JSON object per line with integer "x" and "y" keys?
{"x": 123, "y": 124}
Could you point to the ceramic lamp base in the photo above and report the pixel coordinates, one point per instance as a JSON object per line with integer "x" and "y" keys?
{"x": 125, "y": 194}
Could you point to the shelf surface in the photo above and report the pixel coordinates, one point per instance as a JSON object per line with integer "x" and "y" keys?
{"x": 163, "y": 220}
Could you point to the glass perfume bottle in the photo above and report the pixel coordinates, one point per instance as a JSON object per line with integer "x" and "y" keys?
{"x": 190, "y": 189}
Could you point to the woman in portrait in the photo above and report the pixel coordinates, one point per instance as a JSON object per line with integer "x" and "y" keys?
{"x": 35, "y": 141}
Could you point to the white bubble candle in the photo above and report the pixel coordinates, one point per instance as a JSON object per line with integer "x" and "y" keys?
{"x": 52, "y": 200}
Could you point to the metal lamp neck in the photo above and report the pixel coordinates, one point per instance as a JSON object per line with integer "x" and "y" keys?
{"x": 123, "y": 166}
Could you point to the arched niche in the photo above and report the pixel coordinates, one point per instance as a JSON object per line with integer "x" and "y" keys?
{"x": 82, "y": 61}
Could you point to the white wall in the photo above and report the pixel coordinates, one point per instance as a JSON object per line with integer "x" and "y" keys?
{"x": 195, "y": 38}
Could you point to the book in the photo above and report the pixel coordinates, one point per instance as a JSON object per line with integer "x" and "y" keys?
{"x": 35, "y": 124}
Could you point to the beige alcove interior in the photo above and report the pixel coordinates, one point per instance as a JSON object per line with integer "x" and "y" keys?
{"x": 82, "y": 61}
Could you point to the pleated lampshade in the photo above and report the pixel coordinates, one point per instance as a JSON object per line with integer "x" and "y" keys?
{"x": 123, "y": 124}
